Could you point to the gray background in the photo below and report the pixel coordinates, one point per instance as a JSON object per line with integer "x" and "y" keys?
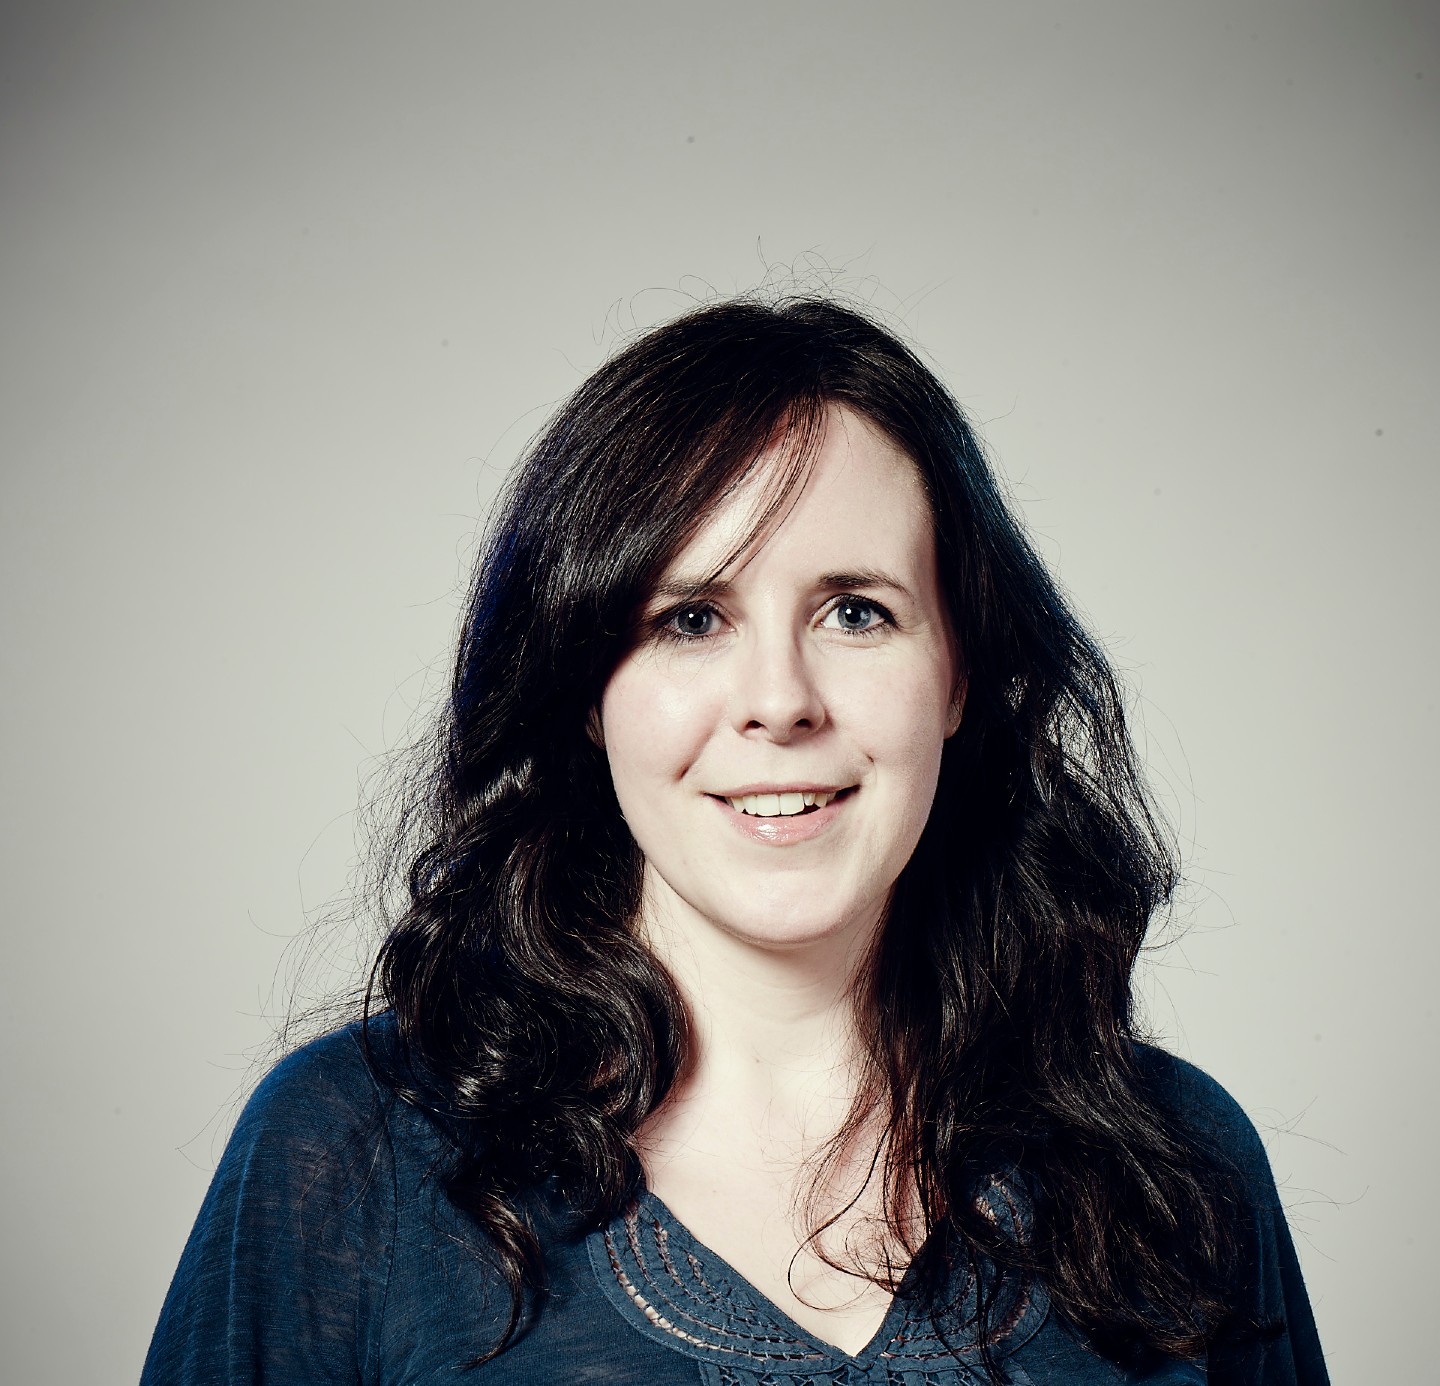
{"x": 286, "y": 286}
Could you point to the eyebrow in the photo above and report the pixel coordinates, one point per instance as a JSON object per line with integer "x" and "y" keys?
{"x": 679, "y": 590}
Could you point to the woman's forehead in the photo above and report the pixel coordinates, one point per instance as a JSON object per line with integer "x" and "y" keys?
{"x": 853, "y": 496}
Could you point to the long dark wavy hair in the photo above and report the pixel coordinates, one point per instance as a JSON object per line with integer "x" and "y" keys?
{"x": 536, "y": 1026}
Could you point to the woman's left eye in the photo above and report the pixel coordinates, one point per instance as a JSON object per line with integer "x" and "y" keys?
{"x": 855, "y": 615}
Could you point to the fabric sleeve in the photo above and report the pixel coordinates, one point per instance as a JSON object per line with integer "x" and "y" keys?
{"x": 1280, "y": 1347}
{"x": 1287, "y": 1352}
{"x": 284, "y": 1277}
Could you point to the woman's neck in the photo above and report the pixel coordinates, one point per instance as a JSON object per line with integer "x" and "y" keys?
{"x": 744, "y": 1149}
{"x": 776, "y": 1059}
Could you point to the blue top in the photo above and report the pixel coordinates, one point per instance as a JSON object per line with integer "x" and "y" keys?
{"x": 326, "y": 1252}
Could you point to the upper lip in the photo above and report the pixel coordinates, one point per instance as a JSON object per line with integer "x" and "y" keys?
{"x": 804, "y": 787}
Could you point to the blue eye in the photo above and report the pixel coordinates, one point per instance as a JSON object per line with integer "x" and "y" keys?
{"x": 691, "y": 622}
{"x": 856, "y": 616}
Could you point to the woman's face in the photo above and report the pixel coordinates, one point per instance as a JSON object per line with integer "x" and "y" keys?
{"x": 775, "y": 742}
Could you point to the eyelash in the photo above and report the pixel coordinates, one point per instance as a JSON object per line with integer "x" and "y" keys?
{"x": 666, "y": 628}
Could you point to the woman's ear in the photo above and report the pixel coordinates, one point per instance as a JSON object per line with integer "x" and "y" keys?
{"x": 957, "y": 708}
{"x": 595, "y": 728}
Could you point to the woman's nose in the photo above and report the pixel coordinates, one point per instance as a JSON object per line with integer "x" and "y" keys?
{"x": 776, "y": 694}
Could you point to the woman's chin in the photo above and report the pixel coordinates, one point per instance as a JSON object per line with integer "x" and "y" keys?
{"x": 796, "y": 926}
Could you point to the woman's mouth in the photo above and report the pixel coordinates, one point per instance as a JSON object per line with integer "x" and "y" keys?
{"x": 784, "y": 803}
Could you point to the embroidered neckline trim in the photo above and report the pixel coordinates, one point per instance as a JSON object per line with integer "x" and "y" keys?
{"x": 671, "y": 1288}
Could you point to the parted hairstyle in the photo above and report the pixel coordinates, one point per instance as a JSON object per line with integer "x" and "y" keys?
{"x": 539, "y": 1030}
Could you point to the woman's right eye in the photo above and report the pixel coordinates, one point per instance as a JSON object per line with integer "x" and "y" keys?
{"x": 691, "y": 622}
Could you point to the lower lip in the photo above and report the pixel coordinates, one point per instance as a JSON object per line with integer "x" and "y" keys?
{"x": 782, "y": 831}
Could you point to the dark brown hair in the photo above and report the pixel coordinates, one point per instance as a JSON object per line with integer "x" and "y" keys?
{"x": 997, "y": 1004}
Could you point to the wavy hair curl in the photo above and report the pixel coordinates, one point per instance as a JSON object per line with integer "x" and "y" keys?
{"x": 535, "y": 1025}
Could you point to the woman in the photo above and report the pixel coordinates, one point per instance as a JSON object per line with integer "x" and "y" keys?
{"x": 761, "y": 1012}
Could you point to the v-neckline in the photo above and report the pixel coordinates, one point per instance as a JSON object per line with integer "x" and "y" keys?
{"x": 886, "y": 1333}
{"x": 674, "y": 1289}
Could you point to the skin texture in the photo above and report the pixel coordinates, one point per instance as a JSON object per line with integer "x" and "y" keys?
{"x": 822, "y": 659}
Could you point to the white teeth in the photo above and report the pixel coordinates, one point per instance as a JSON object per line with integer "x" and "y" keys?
{"x": 785, "y": 805}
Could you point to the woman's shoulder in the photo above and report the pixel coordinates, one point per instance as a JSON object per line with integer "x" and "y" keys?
{"x": 325, "y": 1116}
{"x": 1268, "y": 1287}
{"x": 323, "y": 1236}
{"x": 325, "y": 1085}
{"x": 1208, "y": 1110}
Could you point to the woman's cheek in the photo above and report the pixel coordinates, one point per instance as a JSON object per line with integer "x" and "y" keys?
{"x": 654, "y": 723}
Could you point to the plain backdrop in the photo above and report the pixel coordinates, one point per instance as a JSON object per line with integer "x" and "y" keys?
{"x": 286, "y": 287}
